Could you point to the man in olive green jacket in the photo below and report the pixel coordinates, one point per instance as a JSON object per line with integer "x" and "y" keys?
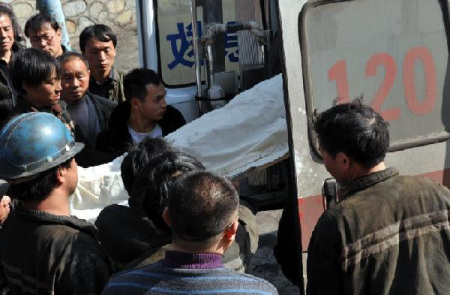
{"x": 388, "y": 234}
{"x": 98, "y": 45}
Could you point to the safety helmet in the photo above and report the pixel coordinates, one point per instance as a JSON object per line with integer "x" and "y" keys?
{"x": 32, "y": 143}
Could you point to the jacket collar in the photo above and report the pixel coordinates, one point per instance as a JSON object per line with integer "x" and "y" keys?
{"x": 26, "y": 105}
{"x": 111, "y": 77}
{"x": 120, "y": 115}
{"x": 48, "y": 218}
{"x": 16, "y": 47}
{"x": 364, "y": 182}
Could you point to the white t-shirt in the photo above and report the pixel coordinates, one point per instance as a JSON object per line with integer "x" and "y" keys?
{"x": 138, "y": 137}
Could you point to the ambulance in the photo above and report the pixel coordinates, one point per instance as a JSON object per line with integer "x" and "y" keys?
{"x": 392, "y": 52}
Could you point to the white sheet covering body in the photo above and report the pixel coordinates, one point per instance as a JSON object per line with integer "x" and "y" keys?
{"x": 248, "y": 132}
{"x": 97, "y": 188}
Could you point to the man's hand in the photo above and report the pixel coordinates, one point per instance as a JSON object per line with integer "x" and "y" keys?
{"x": 4, "y": 208}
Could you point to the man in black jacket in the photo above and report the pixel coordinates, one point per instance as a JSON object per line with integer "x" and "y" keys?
{"x": 36, "y": 76}
{"x": 43, "y": 249}
{"x": 137, "y": 235}
{"x": 10, "y": 38}
{"x": 89, "y": 111}
{"x": 388, "y": 234}
{"x": 145, "y": 113}
{"x": 44, "y": 33}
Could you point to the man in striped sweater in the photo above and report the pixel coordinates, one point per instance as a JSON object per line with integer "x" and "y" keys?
{"x": 203, "y": 215}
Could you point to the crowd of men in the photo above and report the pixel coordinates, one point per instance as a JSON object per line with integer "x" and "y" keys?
{"x": 61, "y": 108}
{"x": 185, "y": 230}
{"x": 83, "y": 89}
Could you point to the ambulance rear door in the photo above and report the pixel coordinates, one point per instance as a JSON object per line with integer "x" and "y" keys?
{"x": 395, "y": 54}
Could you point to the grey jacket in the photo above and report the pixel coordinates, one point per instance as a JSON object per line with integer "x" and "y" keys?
{"x": 389, "y": 234}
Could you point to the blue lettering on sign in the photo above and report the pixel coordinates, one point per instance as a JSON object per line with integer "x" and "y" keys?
{"x": 231, "y": 41}
{"x": 183, "y": 51}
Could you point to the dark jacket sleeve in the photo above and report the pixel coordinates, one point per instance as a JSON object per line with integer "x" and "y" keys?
{"x": 102, "y": 141}
{"x": 104, "y": 108}
{"x": 172, "y": 120}
{"x": 116, "y": 139}
{"x": 286, "y": 250}
{"x": 323, "y": 266}
{"x": 6, "y": 102}
{"x": 89, "y": 268}
{"x": 118, "y": 94}
{"x": 89, "y": 156}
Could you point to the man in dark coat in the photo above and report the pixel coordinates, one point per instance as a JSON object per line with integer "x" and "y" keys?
{"x": 43, "y": 249}
{"x": 388, "y": 233}
{"x": 10, "y": 37}
{"x": 89, "y": 111}
{"x": 44, "y": 33}
{"x": 36, "y": 76}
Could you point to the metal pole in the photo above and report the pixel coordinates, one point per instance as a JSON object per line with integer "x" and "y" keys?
{"x": 196, "y": 44}
{"x": 53, "y": 9}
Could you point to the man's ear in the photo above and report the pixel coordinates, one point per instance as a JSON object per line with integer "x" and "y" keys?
{"x": 135, "y": 103}
{"x": 344, "y": 161}
{"x": 166, "y": 217}
{"x": 230, "y": 232}
{"x": 60, "y": 176}
{"x": 25, "y": 87}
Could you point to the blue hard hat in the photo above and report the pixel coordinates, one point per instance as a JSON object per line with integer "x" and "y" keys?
{"x": 32, "y": 143}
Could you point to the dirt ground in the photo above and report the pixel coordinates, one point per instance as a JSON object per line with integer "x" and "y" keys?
{"x": 263, "y": 264}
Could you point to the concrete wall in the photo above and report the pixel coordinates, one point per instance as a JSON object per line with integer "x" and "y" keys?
{"x": 120, "y": 15}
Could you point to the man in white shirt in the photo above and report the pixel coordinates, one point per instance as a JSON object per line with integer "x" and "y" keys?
{"x": 143, "y": 114}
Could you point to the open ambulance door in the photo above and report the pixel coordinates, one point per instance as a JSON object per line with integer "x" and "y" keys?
{"x": 395, "y": 54}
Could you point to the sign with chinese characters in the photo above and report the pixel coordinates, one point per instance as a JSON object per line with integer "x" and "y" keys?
{"x": 175, "y": 41}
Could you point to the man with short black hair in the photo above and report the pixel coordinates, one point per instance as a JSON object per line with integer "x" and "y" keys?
{"x": 136, "y": 235}
{"x": 44, "y": 33}
{"x": 89, "y": 111}
{"x": 138, "y": 157}
{"x": 98, "y": 44}
{"x": 43, "y": 249}
{"x": 37, "y": 78}
{"x": 144, "y": 114}
{"x": 203, "y": 215}
{"x": 126, "y": 231}
{"x": 388, "y": 234}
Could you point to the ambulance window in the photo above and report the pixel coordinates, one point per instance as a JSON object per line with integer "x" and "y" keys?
{"x": 176, "y": 54}
{"x": 393, "y": 52}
